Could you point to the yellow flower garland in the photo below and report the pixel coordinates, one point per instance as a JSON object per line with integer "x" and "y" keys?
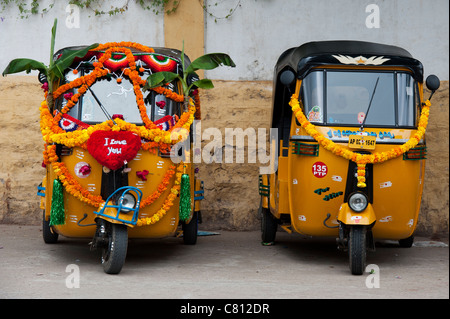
{"x": 360, "y": 159}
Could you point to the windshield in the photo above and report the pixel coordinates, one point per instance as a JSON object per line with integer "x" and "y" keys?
{"x": 343, "y": 98}
{"x": 119, "y": 99}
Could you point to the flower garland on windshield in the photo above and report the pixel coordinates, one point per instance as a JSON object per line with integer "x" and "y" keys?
{"x": 360, "y": 159}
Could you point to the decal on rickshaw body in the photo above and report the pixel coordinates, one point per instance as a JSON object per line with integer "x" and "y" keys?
{"x": 319, "y": 191}
{"x": 373, "y": 60}
{"x": 336, "y": 178}
{"x": 386, "y": 184}
{"x": 332, "y": 195}
{"x": 356, "y": 219}
{"x": 82, "y": 169}
{"x": 319, "y": 169}
{"x": 385, "y": 219}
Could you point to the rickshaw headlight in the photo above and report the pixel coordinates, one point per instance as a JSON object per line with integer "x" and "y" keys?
{"x": 128, "y": 202}
{"x": 358, "y": 202}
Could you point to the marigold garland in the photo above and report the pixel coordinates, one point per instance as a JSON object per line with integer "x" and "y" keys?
{"x": 155, "y": 137}
{"x": 75, "y": 189}
{"x": 360, "y": 159}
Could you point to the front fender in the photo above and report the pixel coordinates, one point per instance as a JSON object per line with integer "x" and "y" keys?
{"x": 349, "y": 217}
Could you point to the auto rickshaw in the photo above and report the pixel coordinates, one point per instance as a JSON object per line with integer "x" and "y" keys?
{"x": 351, "y": 119}
{"x": 113, "y": 166}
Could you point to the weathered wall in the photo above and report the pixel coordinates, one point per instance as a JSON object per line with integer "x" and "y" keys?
{"x": 231, "y": 190}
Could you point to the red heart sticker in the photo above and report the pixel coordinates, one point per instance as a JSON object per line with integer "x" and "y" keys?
{"x": 113, "y": 149}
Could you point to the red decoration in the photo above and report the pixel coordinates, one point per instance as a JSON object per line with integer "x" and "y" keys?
{"x": 161, "y": 104}
{"x": 142, "y": 174}
{"x": 113, "y": 149}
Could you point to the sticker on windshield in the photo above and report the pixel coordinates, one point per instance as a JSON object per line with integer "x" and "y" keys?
{"x": 315, "y": 115}
{"x": 361, "y": 116}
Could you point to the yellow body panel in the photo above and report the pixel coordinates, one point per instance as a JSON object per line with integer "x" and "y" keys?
{"x": 144, "y": 160}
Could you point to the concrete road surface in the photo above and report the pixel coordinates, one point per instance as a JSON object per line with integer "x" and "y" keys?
{"x": 225, "y": 265}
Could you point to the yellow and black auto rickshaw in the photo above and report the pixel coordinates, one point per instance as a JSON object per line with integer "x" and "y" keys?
{"x": 112, "y": 169}
{"x": 351, "y": 120}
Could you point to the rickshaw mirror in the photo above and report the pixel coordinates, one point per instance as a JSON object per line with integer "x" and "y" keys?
{"x": 287, "y": 77}
{"x": 433, "y": 82}
{"x": 42, "y": 77}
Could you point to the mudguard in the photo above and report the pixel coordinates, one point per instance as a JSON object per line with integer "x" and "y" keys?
{"x": 348, "y": 216}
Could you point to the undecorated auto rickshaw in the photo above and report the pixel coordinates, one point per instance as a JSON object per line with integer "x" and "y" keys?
{"x": 351, "y": 120}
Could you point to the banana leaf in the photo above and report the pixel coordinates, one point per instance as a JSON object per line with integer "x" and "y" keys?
{"x": 20, "y": 65}
{"x": 66, "y": 60}
{"x": 160, "y": 78}
{"x": 203, "y": 84}
{"x": 210, "y": 61}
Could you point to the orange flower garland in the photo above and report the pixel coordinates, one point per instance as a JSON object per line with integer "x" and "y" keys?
{"x": 168, "y": 203}
{"x": 360, "y": 159}
{"x": 76, "y": 189}
{"x": 157, "y": 138}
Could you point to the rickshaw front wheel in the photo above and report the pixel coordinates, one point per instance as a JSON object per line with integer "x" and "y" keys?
{"x": 190, "y": 230}
{"x": 115, "y": 251}
{"x": 357, "y": 249}
{"x": 50, "y": 237}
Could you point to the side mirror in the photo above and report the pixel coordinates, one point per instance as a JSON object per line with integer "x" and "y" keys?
{"x": 432, "y": 82}
{"x": 42, "y": 77}
{"x": 287, "y": 77}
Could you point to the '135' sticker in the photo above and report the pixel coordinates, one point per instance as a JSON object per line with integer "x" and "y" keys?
{"x": 319, "y": 169}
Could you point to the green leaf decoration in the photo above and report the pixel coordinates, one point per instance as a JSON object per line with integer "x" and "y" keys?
{"x": 67, "y": 59}
{"x": 210, "y": 61}
{"x": 20, "y": 65}
{"x": 57, "y": 215}
{"x": 185, "y": 198}
{"x": 204, "y": 84}
{"x": 160, "y": 78}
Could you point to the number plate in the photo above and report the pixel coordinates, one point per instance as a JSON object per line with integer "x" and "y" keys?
{"x": 362, "y": 142}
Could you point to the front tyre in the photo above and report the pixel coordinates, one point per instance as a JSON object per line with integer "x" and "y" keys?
{"x": 190, "y": 230}
{"x": 357, "y": 249}
{"x": 50, "y": 237}
{"x": 115, "y": 251}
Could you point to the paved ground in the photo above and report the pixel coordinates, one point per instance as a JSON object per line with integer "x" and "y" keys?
{"x": 227, "y": 265}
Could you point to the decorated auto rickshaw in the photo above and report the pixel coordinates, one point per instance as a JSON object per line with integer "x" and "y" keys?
{"x": 351, "y": 121}
{"x": 116, "y": 123}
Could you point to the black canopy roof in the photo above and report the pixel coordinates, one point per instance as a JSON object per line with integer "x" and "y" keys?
{"x": 301, "y": 59}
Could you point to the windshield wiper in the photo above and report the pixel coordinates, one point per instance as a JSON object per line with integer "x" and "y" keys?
{"x": 101, "y": 106}
{"x": 370, "y": 103}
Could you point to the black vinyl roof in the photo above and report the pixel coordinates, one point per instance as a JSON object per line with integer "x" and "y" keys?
{"x": 301, "y": 59}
